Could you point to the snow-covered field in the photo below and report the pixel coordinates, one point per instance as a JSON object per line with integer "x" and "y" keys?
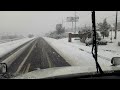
{"x": 8, "y": 40}
{"x": 9, "y": 46}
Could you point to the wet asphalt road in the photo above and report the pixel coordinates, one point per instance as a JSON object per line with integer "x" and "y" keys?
{"x": 38, "y": 55}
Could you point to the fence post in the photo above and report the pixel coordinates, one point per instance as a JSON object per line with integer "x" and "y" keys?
{"x": 69, "y": 38}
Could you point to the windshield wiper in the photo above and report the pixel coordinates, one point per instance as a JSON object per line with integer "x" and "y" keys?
{"x": 94, "y": 47}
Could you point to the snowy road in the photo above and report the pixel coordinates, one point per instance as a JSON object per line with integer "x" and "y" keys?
{"x": 44, "y": 53}
{"x": 38, "y": 55}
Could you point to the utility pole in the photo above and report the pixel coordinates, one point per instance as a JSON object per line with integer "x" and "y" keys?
{"x": 62, "y": 22}
{"x": 72, "y": 25}
{"x": 116, "y": 26}
{"x": 75, "y": 21}
{"x": 111, "y": 36}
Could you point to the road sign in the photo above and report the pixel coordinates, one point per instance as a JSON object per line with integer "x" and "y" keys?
{"x": 72, "y": 19}
{"x": 69, "y": 19}
{"x": 77, "y": 17}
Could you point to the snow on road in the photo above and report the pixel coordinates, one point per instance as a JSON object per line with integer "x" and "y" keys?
{"x": 105, "y": 51}
{"x": 9, "y": 46}
{"x": 75, "y": 54}
{"x": 79, "y": 56}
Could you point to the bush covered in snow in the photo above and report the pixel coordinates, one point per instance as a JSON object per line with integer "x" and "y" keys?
{"x": 57, "y": 35}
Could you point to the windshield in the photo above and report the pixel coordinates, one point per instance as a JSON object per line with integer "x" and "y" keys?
{"x": 58, "y": 42}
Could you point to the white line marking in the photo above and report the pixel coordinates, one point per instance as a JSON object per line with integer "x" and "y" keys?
{"x": 19, "y": 68}
{"x": 27, "y": 69}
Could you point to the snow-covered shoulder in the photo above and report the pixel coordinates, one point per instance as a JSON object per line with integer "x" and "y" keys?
{"x": 74, "y": 54}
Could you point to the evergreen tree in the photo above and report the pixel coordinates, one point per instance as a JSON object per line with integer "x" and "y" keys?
{"x": 104, "y": 28}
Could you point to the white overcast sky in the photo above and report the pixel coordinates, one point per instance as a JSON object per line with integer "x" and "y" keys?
{"x": 40, "y": 22}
